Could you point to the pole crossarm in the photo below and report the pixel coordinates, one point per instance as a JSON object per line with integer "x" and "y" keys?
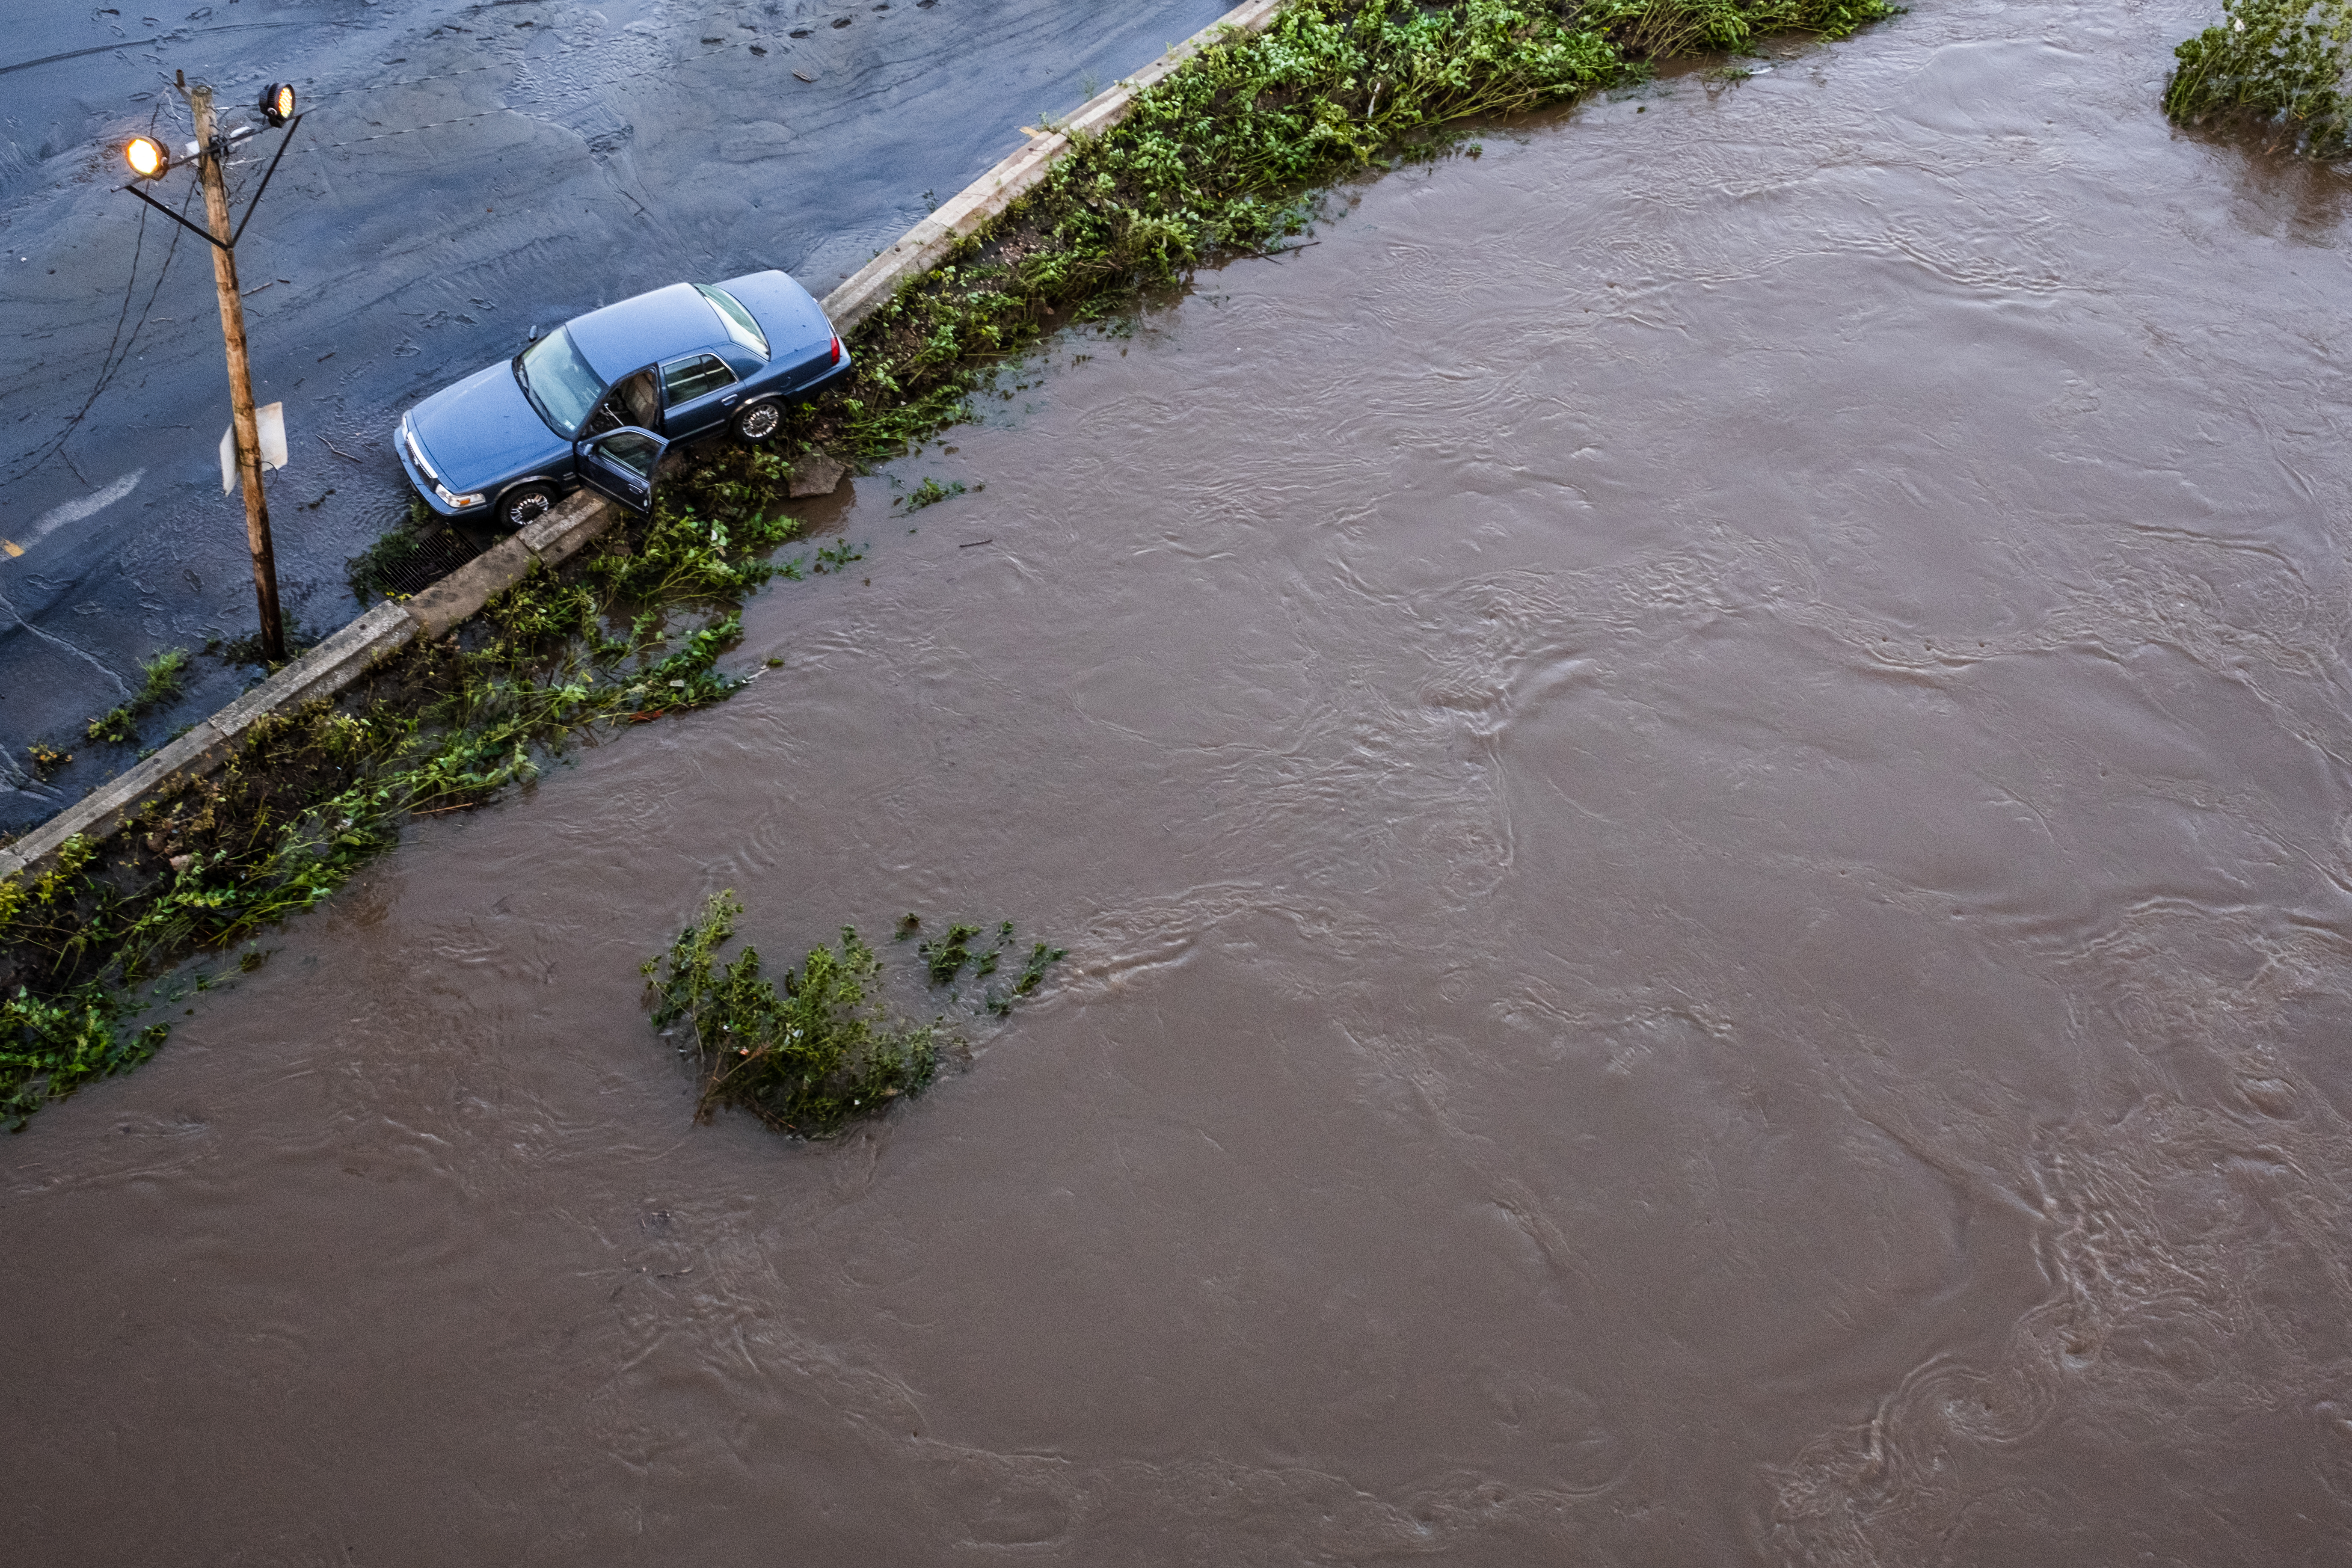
{"x": 206, "y": 235}
{"x": 283, "y": 143}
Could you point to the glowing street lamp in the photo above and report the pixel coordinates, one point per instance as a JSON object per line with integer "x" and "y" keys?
{"x": 148, "y": 158}
{"x": 277, "y": 102}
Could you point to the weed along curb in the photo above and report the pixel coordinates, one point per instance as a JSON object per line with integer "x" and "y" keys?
{"x": 342, "y": 659}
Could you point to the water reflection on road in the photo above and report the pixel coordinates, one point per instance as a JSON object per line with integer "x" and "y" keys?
{"x": 1697, "y": 776}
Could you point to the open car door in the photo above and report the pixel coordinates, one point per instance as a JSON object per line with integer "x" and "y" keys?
{"x": 621, "y": 464}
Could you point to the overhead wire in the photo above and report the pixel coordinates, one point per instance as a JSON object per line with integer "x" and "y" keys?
{"x": 110, "y": 364}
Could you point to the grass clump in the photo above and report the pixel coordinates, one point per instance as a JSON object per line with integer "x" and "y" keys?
{"x": 931, "y": 492}
{"x": 2276, "y": 63}
{"x": 161, "y": 679}
{"x": 807, "y": 1057}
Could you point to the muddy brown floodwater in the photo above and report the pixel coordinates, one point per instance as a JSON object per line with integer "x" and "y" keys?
{"x": 1698, "y": 776}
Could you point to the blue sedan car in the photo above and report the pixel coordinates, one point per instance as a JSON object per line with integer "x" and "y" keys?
{"x": 598, "y": 400}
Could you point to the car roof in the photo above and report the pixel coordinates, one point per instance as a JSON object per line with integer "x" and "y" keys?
{"x": 633, "y": 333}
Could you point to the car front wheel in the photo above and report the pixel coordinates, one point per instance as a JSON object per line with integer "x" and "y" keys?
{"x": 526, "y": 504}
{"x": 759, "y": 422}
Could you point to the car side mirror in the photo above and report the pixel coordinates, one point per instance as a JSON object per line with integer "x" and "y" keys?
{"x": 531, "y": 336}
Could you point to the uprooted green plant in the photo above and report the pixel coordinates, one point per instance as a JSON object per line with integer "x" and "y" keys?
{"x": 2279, "y": 63}
{"x": 1219, "y": 160}
{"x": 804, "y": 1059}
{"x": 634, "y": 632}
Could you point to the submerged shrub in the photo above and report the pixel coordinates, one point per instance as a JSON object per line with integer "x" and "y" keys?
{"x": 2279, "y": 62}
{"x": 806, "y": 1058}
{"x": 50, "y": 1047}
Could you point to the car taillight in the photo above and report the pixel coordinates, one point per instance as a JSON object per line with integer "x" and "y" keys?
{"x": 836, "y": 348}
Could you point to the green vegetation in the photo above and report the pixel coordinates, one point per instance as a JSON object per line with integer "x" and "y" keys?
{"x": 931, "y": 492}
{"x": 805, "y": 1060}
{"x": 163, "y": 677}
{"x": 945, "y": 958}
{"x": 1218, "y": 161}
{"x": 2277, "y": 63}
{"x": 822, "y": 1051}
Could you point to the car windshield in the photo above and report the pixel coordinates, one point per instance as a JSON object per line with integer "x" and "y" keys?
{"x": 739, "y": 322}
{"x": 558, "y": 382}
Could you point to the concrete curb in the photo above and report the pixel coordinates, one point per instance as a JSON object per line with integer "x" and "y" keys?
{"x": 566, "y": 531}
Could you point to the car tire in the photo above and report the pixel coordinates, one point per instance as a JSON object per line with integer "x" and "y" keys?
{"x": 525, "y": 504}
{"x": 759, "y": 421}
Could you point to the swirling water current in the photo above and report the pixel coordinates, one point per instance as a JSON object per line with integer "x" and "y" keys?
{"x": 1698, "y": 778}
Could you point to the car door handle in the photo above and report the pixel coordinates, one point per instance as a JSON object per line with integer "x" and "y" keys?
{"x": 730, "y": 400}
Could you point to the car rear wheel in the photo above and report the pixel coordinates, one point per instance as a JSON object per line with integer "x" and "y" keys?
{"x": 759, "y": 422}
{"x": 526, "y": 504}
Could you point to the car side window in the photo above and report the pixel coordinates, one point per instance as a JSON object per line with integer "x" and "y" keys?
{"x": 631, "y": 451}
{"x": 684, "y": 380}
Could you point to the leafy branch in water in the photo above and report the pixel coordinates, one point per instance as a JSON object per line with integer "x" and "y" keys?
{"x": 946, "y": 958}
{"x": 805, "y": 1059}
{"x": 49, "y": 1048}
{"x": 931, "y": 492}
{"x": 2280, "y": 63}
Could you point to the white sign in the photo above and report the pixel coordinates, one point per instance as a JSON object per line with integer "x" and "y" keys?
{"x": 272, "y": 420}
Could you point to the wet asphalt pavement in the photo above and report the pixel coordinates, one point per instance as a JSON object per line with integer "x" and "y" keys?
{"x": 465, "y": 172}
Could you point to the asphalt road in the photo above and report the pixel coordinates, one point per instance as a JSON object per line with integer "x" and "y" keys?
{"x": 465, "y": 170}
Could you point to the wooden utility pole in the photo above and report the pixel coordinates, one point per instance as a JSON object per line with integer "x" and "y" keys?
{"x": 240, "y": 375}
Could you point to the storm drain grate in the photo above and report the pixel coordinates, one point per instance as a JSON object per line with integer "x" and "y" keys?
{"x": 436, "y": 557}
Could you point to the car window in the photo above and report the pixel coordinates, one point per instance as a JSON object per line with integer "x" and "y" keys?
{"x": 558, "y": 382}
{"x": 684, "y": 380}
{"x": 741, "y": 326}
{"x": 631, "y": 450}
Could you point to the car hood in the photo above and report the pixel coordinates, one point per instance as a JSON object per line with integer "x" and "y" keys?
{"x": 483, "y": 430}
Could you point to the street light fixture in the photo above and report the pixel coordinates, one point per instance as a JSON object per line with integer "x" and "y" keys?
{"x": 150, "y": 160}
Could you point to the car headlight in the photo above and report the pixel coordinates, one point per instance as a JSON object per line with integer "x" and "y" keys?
{"x": 416, "y": 453}
{"x": 416, "y": 456}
